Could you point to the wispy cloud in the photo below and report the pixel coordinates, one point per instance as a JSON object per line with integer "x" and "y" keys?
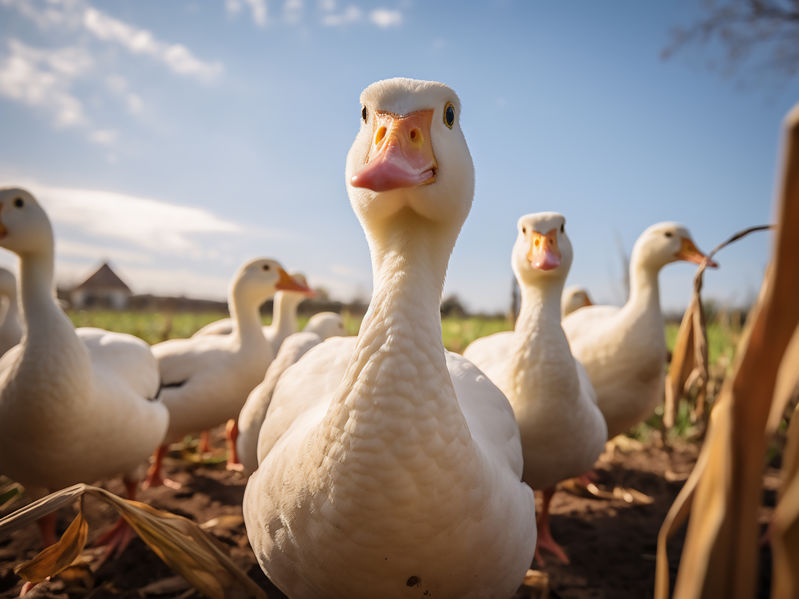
{"x": 383, "y": 17}
{"x": 150, "y": 224}
{"x": 118, "y": 85}
{"x": 90, "y": 251}
{"x": 176, "y": 57}
{"x": 351, "y": 14}
{"x": 103, "y": 137}
{"x": 79, "y": 15}
{"x": 257, "y": 9}
{"x": 293, "y": 11}
{"x": 43, "y": 79}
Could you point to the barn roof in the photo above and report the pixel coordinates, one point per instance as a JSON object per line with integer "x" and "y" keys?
{"x": 104, "y": 278}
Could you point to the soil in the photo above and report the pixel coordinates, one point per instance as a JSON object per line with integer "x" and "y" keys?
{"x": 611, "y": 543}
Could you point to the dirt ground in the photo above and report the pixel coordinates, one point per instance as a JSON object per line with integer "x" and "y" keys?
{"x": 611, "y": 543}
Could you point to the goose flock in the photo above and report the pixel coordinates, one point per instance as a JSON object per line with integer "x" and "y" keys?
{"x": 380, "y": 465}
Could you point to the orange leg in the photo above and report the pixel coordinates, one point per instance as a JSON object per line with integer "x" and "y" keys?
{"x": 154, "y": 478}
{"x": 231, "y": 434}
{"x": 117, "y": 538}
{"x": 205, "y": 442}
{"x": 545, "y": 540}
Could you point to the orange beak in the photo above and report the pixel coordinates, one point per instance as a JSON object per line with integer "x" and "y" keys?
{"x": 288, "y": 283}
{"x": 689, "y": 252}
{"x": 544, "y": 253}
{"x": 401, "y": 154}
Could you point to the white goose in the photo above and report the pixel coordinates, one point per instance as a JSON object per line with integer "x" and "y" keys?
{"x": 284, "y": 316}
{"x": 574, "y": 298}
{"x": 10, "y": 327}
{"x": 562, "y": 429}
{"x": 75, "y": 405}
{"x": 206, "y": 380}
{"x": 390, "y": 467}
{"x": 624, "y": 349}
{"x": 321, "y": 326}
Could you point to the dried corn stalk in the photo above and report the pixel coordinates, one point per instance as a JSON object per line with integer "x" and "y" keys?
{"x": 689, "y": 362}
{"x": 723, "y": 493}
{"x": 180, "y": 543}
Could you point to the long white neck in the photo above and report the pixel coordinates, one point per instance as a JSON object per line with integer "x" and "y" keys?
{"x": 644, "y": 286}
{"x": 541, "y": 363}
{"x": 397, "y": 380}
{"x": 246, "y": 316}
{"x": 43, "y": 317}
{"x": 284, "y": 312}
{"x": 49, "y": 334}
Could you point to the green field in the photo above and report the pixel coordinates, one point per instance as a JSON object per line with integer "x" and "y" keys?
{"x": 458, "y": 332}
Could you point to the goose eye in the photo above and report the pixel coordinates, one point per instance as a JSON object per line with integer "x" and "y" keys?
{"x": 563, "y": 228}
{"x": 364, "y": 113}
{"x": 524, "y": 230}
{"x": 449, "y": 115}
{"x": 19, "y": 202}
{"x": 266, "y": 267}
{"x": 668, "y": 233}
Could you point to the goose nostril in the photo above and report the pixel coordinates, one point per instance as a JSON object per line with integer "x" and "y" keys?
{"x": 415, "y": 135}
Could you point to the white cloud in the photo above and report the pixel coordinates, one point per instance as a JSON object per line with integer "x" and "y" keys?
{"x": 292, "y": 11}
{"x": 257, "y": 9}
{"x": 118, "y": 85}
{"x": 351, "y": 14}
{"x": 48, "y": 14}
{"x": 43, "y": 78}
{"x": 140, "y": 41}
{"x": 94, "y": 252}
{"x": 382, "y": 17}
{"x": 103, "y": 137}
{"x": 153, "y": 225}
{"x": 327, "y": 5}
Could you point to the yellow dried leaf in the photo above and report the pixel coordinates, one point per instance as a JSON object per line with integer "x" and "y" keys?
{"x": 180, "y": 543}
{"x": 51, "y": 560}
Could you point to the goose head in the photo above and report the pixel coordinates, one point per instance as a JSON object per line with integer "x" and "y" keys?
{"x": 258, "y": 280}
{"x": 574, "y": 298}
{"x": 542, "y": 252}
{"x": 326, "y": 324}
{"x": 410, "y": 155}
{"x": 24, "y": 225}
{"x": 663, "y": 243}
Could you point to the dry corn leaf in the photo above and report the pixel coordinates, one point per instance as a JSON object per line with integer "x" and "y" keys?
{"x": 180, "y": 543}
{"x": 51, "y": 560}
{"x": 719, "y": 558}
{"x": 689, "y": 360}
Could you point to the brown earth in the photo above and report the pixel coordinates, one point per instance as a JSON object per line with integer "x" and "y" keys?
{"x": 611, "y": 543}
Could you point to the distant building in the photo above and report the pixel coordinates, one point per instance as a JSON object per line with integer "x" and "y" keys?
{"x": 103, "y": 289}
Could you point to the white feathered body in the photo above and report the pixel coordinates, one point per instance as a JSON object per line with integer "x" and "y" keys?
{"x": 624, "y": 352}
{"x": 252, "y": 415}
{"x": 77, "y": 406}
{"x": 562, "y": 430}
{"x": 394, "y": 476}
{"x": 217, "y": 373}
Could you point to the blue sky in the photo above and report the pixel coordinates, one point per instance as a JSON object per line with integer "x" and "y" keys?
{"x": 179, "y": 139}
